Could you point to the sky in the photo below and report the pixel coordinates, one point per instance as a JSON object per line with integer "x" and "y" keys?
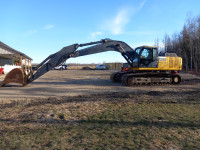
{"x": 39, "y": 28}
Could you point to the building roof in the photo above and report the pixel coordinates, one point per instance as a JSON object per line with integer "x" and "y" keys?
{"x": 7, "y": 50}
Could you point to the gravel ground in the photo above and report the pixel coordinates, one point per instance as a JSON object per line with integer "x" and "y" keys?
{"x": 79, "y": 82}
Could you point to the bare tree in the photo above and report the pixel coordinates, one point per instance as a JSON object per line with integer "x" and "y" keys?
{"x": 186, "y": 43}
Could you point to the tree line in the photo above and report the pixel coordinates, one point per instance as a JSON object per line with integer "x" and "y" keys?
{"x": 186, "y": 44}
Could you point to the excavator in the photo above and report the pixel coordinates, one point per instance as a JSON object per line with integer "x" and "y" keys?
{"x": 145, "y": 64}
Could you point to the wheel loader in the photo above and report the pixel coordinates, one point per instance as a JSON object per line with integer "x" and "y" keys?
{"x": 145, "y": 65}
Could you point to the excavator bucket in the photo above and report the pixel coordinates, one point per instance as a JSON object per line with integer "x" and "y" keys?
{"x": 15, "y": 76}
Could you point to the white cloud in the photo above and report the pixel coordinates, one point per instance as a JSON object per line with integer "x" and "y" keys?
{"x": 95, "y": 34}
{"x": 137, "y": 44}
{"x": 146, "y": 32}
{"x": 29, "y": 33}
{"x": 117, "y": 24}
{"x": 49, "y": 26}
{"x": 141, "y": 5}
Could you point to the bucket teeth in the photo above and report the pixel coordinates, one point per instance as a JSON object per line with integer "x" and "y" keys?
{"x": 15, "y": 76}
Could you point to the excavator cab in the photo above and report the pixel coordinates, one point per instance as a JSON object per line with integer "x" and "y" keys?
{"x": 147, "y": 57}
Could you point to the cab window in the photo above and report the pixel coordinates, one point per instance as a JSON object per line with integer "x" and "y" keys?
{"x": 138, "y": 50}
{"x": 146, "y": 54}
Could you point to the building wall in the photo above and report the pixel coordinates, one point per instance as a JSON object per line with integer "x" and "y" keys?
{"x": 5, "y": 61}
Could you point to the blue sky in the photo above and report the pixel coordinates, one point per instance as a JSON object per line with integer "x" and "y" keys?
{"x": 39, "y": 28}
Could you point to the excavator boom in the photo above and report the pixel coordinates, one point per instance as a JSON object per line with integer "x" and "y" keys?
{"x": 71, "y": 51}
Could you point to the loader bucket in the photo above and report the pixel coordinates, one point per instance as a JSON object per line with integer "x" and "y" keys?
{"x": 15, "y": 76}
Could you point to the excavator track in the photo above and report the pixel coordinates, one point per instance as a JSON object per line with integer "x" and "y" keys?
{"x": 116, "y": 77}
{"x": 145, "y": 78}
{"x": 150, "y": 79}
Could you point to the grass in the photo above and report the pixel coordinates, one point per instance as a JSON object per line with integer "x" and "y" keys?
{"x": 107, "y": 121}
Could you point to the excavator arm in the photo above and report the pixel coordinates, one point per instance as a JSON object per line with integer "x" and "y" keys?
{"x": 53, "y": 61}
{"x": 72, "y": 51}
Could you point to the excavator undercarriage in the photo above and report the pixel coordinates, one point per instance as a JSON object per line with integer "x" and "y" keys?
{"x": 145, "y": 78}
{"x": 145, "y": 66}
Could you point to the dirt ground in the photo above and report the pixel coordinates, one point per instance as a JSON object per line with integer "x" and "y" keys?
{"x": 83, "y": 109}
{"x": 79, "y": 82}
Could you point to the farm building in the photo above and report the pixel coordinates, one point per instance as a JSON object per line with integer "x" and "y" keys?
{"x": 11, "y": 58}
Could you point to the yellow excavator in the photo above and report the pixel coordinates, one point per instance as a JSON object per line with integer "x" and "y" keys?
{"x": 145, "y": 64}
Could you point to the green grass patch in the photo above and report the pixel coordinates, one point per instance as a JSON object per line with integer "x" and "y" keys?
{"x": 122, "y": 122}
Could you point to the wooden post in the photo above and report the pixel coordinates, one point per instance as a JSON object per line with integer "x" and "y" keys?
{"x": 25, "y": 66}
{"x": 31, "y": 65}
{"x": 28, "y": 66}
{"x": 21, "y": 61}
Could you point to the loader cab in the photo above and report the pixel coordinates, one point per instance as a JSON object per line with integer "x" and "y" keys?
{"x": 147, "y": 57}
